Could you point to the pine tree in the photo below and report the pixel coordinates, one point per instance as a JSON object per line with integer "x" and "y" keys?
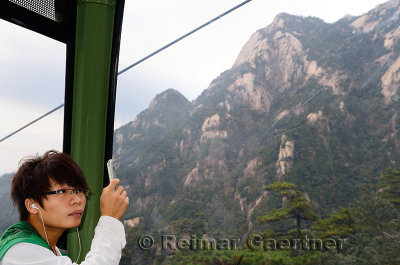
{"x": 339, "y": 224}
{"x": 295, "y": 207}
{"x": 390, "y": 185}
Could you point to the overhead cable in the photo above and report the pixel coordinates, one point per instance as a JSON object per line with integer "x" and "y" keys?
{"x": 32, "y": 122}
{"x": 141, "y": 60}
{"x": 181, "y": 38}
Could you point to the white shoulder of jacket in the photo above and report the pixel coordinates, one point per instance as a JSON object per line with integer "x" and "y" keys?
{"x": 106, "y": 248}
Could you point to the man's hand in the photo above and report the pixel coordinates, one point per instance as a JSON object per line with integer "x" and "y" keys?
{"x": 114, "y": 202}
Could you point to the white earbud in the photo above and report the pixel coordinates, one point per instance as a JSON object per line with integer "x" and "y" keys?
{"x": 41, "y": 217}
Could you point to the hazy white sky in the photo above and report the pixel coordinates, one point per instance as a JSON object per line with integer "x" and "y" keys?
{"x": 32, "y": 66}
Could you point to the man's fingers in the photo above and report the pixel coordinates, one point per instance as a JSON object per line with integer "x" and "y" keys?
{"x": 113, "y": 184}
{"x": 114, "y": 200}
{"x": 119, "y": 190}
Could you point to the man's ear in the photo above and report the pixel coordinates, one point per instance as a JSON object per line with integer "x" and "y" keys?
{"x": 28, "y": 205}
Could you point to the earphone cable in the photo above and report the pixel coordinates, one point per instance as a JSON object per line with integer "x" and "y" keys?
{"x": 80, "y": 246}
{"x": 44, "y": 229}
{"x": 79, "y": 238}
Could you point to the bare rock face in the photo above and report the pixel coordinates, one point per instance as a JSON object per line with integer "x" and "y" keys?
{"x": 283, "y": 55}
{"x": 373, "y": 20}
{"x": 314, "y": 117}
{"x": 285, "y": 161}
{"x": 383, "y": 22}
{"x": 313, "y": 69}
{"x": 248, "y": 207}
{"x": 205, "y": 170}
{"x": 119, "y": 139}
{"x": 258, "y": 44}
{"x": 210, "y": 129}
{"x": 364, "y": 25}
{"x": 250, "y": 170}
{"x": 391, "y": 38}
{"x": 193, "y": 176}
{"x": 133, "y": 222}
{"x": 252, "y": 96}
{"x": 391, "y": 81}
{"x": 286, "y": 64}
{"x": 250, "y": 50}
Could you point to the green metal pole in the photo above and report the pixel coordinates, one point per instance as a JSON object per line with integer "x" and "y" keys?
{"x": 94, "y": 33}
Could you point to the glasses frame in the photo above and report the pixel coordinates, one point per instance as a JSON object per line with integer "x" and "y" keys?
{"x": 77, "y": 192}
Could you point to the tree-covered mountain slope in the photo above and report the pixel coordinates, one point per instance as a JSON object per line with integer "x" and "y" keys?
{"x": 308, "y": 102}
{"x": 9, "y": 214}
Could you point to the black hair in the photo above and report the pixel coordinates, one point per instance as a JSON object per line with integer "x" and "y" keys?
{"x": 32, "y": 180}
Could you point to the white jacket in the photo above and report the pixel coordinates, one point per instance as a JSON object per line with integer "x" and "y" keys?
{"x": 108, "y": 242}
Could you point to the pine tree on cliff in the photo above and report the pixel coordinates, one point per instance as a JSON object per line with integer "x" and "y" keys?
{"x": 296, "y": 207}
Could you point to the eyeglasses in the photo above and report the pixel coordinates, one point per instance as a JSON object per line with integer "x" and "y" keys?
{"x": 64, "y": 192}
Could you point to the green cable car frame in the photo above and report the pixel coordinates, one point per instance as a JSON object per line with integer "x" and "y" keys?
{"x": 91, "y": 30}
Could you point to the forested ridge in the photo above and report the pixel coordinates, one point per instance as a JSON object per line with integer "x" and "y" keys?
{"x": 298, "y": 141}
{"x": 290, "y": 143}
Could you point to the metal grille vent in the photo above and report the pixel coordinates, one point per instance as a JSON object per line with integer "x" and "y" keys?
{"x": 42, "y": 7}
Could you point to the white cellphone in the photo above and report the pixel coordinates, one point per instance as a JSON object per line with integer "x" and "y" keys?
{"x": 111, "y": 170}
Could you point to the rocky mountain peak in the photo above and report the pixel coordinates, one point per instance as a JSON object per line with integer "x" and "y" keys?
{"x": 389, "y": 5}
{"x": 168, "y": 98}
{"x": 300, "y": 102}
{"x": 287, "y": 21}
{"x": 165, "y": 111}
{"x": 381, "y": 19}
{"x": 285, "y": 33}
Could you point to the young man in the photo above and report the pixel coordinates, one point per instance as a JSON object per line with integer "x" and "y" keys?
{"x": 50, "y": 193}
